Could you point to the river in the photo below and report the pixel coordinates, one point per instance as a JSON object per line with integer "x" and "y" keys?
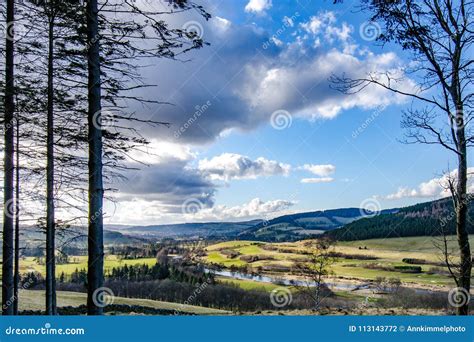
{"x": 284, "y": 281}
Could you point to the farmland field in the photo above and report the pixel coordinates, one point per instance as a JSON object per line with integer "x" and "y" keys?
{"x": 352, "y": 261}
{"x": 28, "y": 264}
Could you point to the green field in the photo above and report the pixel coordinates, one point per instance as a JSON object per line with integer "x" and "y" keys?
{"x": 35, "y": 300}
{"x": 249, "y": 284}
{"x": 389, "y": 253}
{"x": 29, "y": 264}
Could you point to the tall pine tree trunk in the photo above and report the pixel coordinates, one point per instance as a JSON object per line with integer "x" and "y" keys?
{"x": 95, "y": 273}
{"x": 50, "y": 222}
{"x": 461, "y": 219}
{"x": 16, "y": 276}
{"x": 7, "y": 266}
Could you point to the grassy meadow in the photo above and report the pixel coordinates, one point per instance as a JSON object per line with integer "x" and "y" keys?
{"x": 35, "y": 299}
{"x": 389, "y": 253}
{"x": 28, "y": 264}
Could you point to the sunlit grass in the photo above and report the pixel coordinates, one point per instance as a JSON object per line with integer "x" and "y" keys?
{"x": 35, "y": 300}
{"x": 389, "y": 253}
{"x": 29, "y": 264}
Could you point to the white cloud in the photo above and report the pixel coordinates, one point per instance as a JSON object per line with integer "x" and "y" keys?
{"x": 269, "y": 87}
{"x": 221, "y": 24}
{"x": 258, "y": 6}
{"x": 235, "y": 166}
{"x": 158, "y": 152}
{"x": 433, "y": 188}
{"x": 318, "y": 23}
{"x": 318, "y": 180}
{"x": 323, "y": 171}
{"x": 143, "y": 212}
{"x": 247, "y": 90}
{"x": 402, "y": 192}
{"x": 303, "y": 89}
{"x": 319, "y": 170}
{"x": 256, "y": 208}
{"x": 255, "y": 73}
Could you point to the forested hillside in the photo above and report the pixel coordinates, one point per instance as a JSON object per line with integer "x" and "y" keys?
{"x": 298, "y": 226}
{"x": 423, "y": 219}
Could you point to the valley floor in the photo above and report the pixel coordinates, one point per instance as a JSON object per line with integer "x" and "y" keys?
{"x": 357, "y": 261}
{"x": 267, "y": 267}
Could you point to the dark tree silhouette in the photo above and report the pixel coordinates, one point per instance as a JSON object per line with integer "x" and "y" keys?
{"x": 316, "y": 268}
{"x": 87, "y": 61}
{"x": 8, "y": 298}
{"x": 115, "y": 45}
{"x": 95, "y": 274}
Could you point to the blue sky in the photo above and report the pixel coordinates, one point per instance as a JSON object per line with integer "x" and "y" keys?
{"x": 226, "y": 157}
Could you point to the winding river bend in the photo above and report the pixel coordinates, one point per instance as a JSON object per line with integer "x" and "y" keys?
{"x": 284, "y": 281}
{"x": 294, "y": 282}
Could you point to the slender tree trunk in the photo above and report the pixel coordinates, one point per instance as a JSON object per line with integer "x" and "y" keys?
{"x": 7, "y": 266}
{"x": 95, "y": 274}
{"x": 318, "y": 294}
{"x": 461, "y": 222}
{"x": 50, "y": 222}
{"x": 16, "y": 277}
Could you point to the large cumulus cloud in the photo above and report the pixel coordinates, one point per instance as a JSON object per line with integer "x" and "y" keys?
{"x": 243, "y": 78}
{"x": 236, "y": 83}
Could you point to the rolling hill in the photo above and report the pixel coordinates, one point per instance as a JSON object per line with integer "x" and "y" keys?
{"x": 344, "y": 224}
{"x": 72, "y": 240}
{"x": 298, "y": 226}
{"x": 423, "y": 219}
{"x": 210, "y": 230}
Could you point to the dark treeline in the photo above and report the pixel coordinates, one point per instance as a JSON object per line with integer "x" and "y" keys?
{"x": 219, "y": 296}
{"x": 425, "y": 219}
{"x": 143, "y": 272}
{"x": 147, "y": 250}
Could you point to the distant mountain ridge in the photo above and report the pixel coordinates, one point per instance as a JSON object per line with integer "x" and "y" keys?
{"x": 283, "y": 228}
{"x": 343, "y": 224}
{"x": 71, "y": 240}
{"x": 214, "y": 230}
